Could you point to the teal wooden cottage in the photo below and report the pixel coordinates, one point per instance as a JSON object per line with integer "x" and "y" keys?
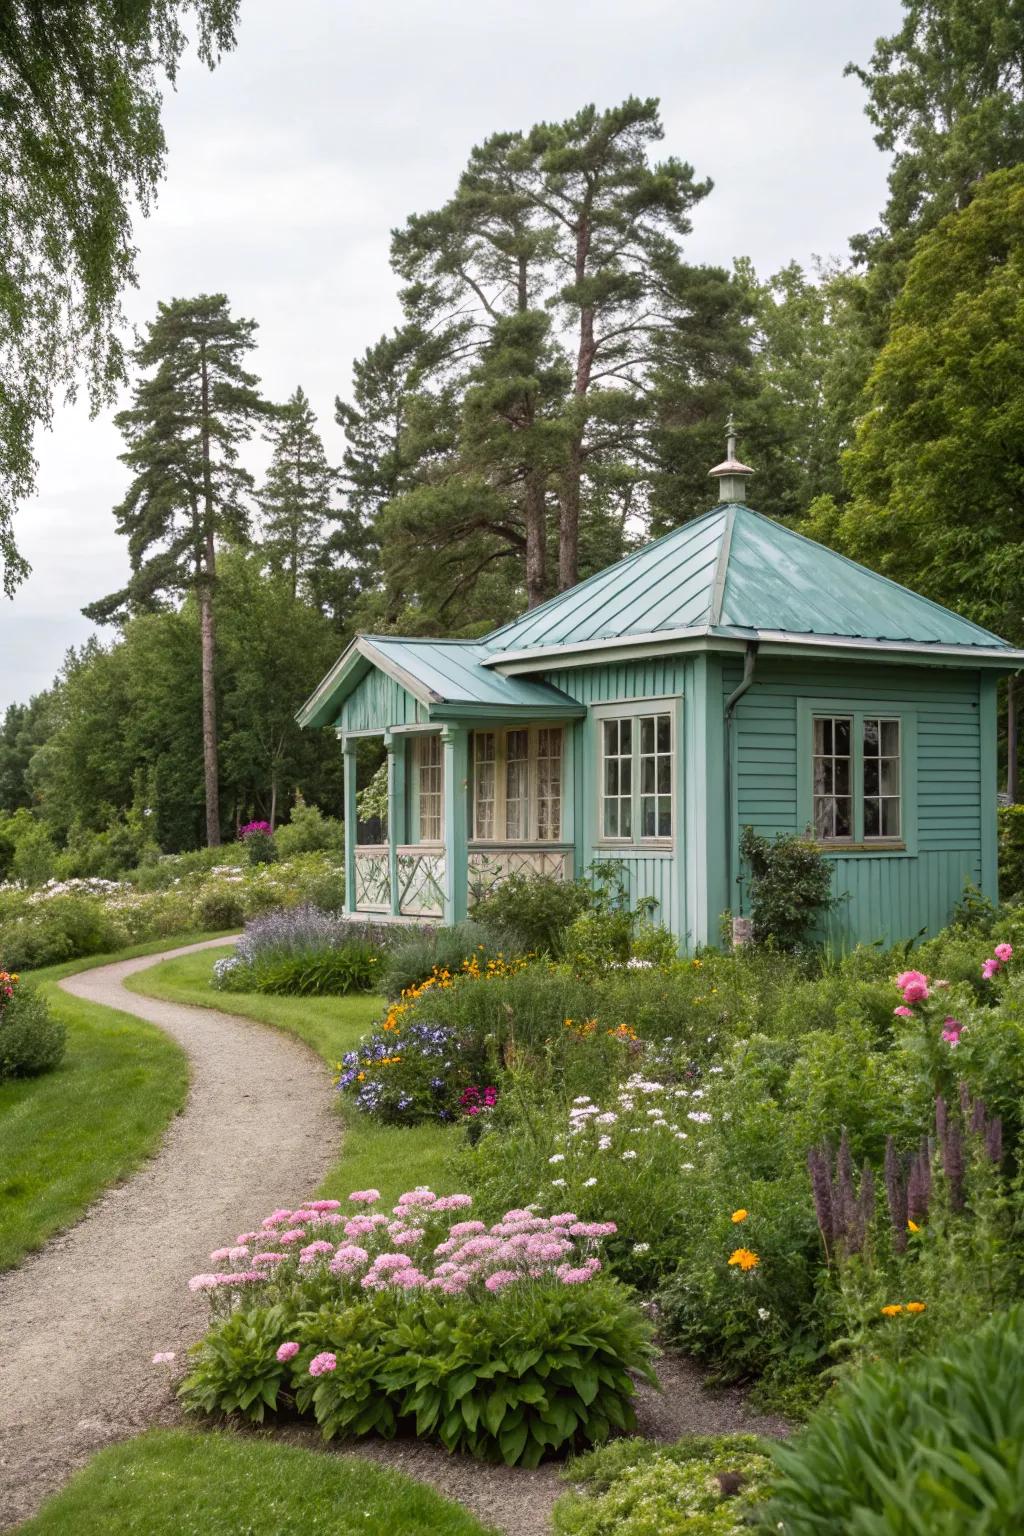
{"x": 732, "y": 673}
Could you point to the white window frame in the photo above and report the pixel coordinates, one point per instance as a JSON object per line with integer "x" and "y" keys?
{"x": 902, "y": 710}
{"x": 635, "y": 709}
{"x": 498, "y": 836}
{"x": 421, "y": 741}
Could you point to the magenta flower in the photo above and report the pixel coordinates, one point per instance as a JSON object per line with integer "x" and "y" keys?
{"x": 287, "y": 1352}
{"x": 1003, "y": 952}
{"x": 904, "y": 1013}
{"x": 905, "y": 978}
{"x": 951, "y": 1031}
{"x": 915, "y": 992}
{"x": 323, "y": 1364}
{"x": 989, "y": 968}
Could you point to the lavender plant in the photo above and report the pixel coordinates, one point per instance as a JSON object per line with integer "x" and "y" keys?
{"x": 304, "y": 951}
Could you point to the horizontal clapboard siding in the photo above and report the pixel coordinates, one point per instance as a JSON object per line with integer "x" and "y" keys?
{"x": 883, "y": 897}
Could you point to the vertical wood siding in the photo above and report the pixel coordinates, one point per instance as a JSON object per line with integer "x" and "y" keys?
{"x": 655, "y": 874}
{"x": 885, "y": 896}
{"x": 376, "y": 704}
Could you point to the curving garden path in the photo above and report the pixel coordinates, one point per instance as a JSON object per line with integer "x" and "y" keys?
{"x": 81, "y": 1320}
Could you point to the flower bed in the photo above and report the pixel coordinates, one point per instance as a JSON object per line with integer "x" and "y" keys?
{"x": 507, "y": 1342}
{"x": 304, "y": 952}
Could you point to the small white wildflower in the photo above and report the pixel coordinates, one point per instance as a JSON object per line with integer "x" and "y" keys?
{"x": 699, "y": 1117}
{"x": 686, "y": 1167}
{"x": 627, "y": 1157}
{"x": 557, "y": 1157}
{"x": 558, "y": 1183}
{"x": 604, "y": 1143}
{"x": 763, "y": 1314}
{"x": 608, "y": 1118}
{"x": 641, "y": 1247}
{"x": 589, "y": 1183}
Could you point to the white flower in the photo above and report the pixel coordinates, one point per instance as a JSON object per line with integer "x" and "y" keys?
{"x": 628, "y": 1156}
{"x": 763, "y": 1314}
{"x": 681, "y": 1136}
{"x": 716, "y": 1069}
{"x": 686, "y": 1167}
{"x": 608, "y": 1118}
{"x": 583, "y": 1099}
{"x": 698, "y": 1093}
{"x": 589, "y": 1183}
{"x": 558, "y": 1183}
{"x": 557, "y": 1157}
{"x": 641, "y": 1247}
{"x": 604, "y": 1143}
{"x": 699, "y": 1117}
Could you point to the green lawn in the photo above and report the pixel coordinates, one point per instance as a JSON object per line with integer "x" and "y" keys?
{"x": 385, "y": 1157}
{"x": 68, "y": 1135}
{"x": 176, "y": 1483}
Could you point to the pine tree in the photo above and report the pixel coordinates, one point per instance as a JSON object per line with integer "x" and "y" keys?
{"x": 296, "y": 495}
{"x": 192, "y": 408}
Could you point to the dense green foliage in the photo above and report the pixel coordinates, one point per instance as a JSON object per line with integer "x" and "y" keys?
{"x": 701, "y": 1486}
{"x": 32, "y": 1041}
{"x": 790, "y": 886}
{"x": 169, "y": 1482}
{"x": 923, "y": 1449}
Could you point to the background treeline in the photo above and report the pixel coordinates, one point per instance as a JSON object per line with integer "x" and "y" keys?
{"x": 555, "y": 393}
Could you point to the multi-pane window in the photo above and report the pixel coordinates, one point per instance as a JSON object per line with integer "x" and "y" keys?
{"x": 617, "y": 778}
{"x": 517, "y": 784}
{"x": 857, "y": 778}
{"x": 833, "y": 777}
{"x": 655, "y": 776}
{"x": 429, "y": 778}
{"x": 485, "y": 779}
{"x": 636, "y": 777}
{"x": 549, "y": 783}
{"x": 881, "y": 778}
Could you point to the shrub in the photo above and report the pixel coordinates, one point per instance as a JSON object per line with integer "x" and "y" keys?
{"x": 701, "y": 1486}
{"x": 535, "y": 910}
{"x": 919, "y": 1449}
{"x": 220, "y": 906}
{"x": 508, "y": 1344}
{"x": 1011, "y": 850}
{"x": 31, "y": 1041}
{"x": 59, "y": 924}
{"x": 308, "y": 830}
{"x": 257, "y": 838}
{"x": 790, "y": 886}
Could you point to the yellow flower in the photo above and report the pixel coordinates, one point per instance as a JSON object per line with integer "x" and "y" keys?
{"x": 916, "y": 1306}
{"x": 912, "y": 1226}
{"x": 745, "y": 1259}
{"x": 891, "y": 1311}
{"x": 740, "y": 1215}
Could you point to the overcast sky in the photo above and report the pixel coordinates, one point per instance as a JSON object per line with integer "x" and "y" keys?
{"x": 334, "y": 119}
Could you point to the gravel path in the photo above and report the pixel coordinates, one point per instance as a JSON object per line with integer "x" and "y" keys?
{"x": 81, "y": 1320}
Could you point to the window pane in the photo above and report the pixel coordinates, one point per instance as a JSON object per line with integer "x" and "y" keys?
{"x": 611, "y": 818}
{"x": 872, "y": 818}
{"x": 664, "y": 816}
{"x": 611, "y": 775}
{"x": 625, "y": 818}
{"x": 647, "y": 775}
{"x": 625, "y": 736}
{"x": 841, "y": 735}
{"x": 831, "y": 777}
{"x": 843, "y": 821}
{"x": 517, "y": 784}
{"x": 428, "y": 788}
{"x": 890, "y": 776}
{"x": 647, "y": 817}
{"x": 626, "y": 776}
{"x": 890, "y": 738}
{"x": 891, "y": 817}
{"x": 647, "y": 734}
{"x": 823, "y": 736}
{"x": 870, "y": 736}
{"x": 882, "y": 813}
{"x": 871, "y": 775}
{"x": 664, "y": 775}
{"x": 549, "y": 784}
{"x": 664, "y": 734}
{"x": 484, "y": 782}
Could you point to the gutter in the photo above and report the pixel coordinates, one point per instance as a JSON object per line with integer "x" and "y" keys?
{"x": 749, "y": 663}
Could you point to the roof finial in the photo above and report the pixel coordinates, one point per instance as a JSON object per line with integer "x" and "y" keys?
{"x": 731, "y": 475}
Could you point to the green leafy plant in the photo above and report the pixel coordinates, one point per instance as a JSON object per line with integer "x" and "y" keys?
{"x": 31, "y": 1040}
{"x": 535, "y": 910}
{"x": 701, "y": 1486}
{"x": 790, "y": 886}
{"x": 926, "y": 1448}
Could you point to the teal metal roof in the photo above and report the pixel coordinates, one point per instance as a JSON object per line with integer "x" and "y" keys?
{"x": 734, "y": 573}
{"x": 447, "y": 678}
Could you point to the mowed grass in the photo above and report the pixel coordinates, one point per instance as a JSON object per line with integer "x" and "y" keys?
{"x": 388, "y": 1158}
{"x": 177, "y": 1483}
{"x": 68, "y": 1135}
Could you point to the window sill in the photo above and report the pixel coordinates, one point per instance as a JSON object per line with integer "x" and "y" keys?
{"x": 896, "y": 845}
{"x": 523, "y": 844}
{"x": 658, "y": 848}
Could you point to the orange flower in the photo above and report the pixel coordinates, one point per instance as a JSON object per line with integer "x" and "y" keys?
{"x": 740, "y": 1215}
{"x": 916, "y": 1306}
{"x": 891, "y": 1311}
{"x": 745, "y": 1259}
{"x": 912, "y": 1226}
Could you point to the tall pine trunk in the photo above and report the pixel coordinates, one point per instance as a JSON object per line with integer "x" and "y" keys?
{"x": 569, "y": 518}
{"x": 211, "y": 776}
{"x": 210, "y": 768}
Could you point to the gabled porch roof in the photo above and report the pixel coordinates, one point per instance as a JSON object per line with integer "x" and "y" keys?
{"x": 445, "y": 676}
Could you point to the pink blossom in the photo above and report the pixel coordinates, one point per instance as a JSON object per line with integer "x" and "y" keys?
{"x": 365, "y": 1196}
{"x": 455, "y": 1284}
{"x": 373, "y": 1281}
{"x": 385, "y": 1262}
{"x": 466, "y": 1228}
{"x": 353, "y": 1252}
{"x": 518, "y": 1215}
{"x": 247, "y": 1237}
{"x": 593, "y": 1229}
{"x": 409, "y": 1238}
{"x": 915, "y": 992}
{"x": 408, "y": 1279}
{"x": 500, "y": 1278}
{"x": 204, "y": 1282}
{"x": 323, "y": 1364}
{"x": 277, "y": 1219}
{"x": 312, "y": 1250}
{"x": 292, "y": 1235}
{"x": 951, "y": 1032}
{"x": 989, "y": 969}
{"x": 163, "y": 1357}
{"x": 904, "y": 1013}
{"x": 234, "y": 1254}
{"x": 452, "y": 1202}
{"x": 358, "y": 1226}
{"x": 1003, "y": 952}
{"x": 415, "y": 1197}
{"x": 287, "y": 1352}
{"x": 268, "y": 1258}
{"x": 570, "y": 1276}
{"x": 905, "y": 978}
{"x": 566, "y": 1219}
{"x": 322, "y": 1205}
{"x": 478, "y": 1246}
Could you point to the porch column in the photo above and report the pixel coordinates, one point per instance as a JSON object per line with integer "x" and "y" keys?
{"x": 455, "y": 755}
{"x": 396, "y": 812}
{"x": 348, "y": 749}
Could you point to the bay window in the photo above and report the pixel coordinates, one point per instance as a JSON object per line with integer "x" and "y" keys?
{"x": 517, "y": 784}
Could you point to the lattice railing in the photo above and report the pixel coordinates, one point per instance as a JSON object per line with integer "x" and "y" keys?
{"x": 421, "y": 882}
{"x": 488, "y": 867}
{"x": 373, "y": 880}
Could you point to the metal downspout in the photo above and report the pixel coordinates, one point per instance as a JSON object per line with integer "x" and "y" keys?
{"x": 749, "y": 663}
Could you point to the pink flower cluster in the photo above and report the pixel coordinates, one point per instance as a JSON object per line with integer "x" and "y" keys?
{"x": 999, "y": 957}
{"x": 415, "y": 1248}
